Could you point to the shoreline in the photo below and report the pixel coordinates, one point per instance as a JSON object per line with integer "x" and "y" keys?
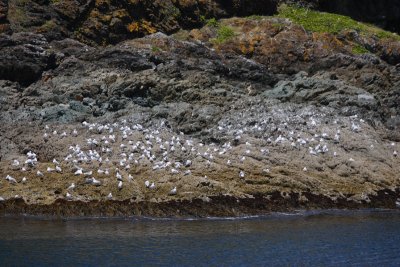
{"x": 217, "y": 206}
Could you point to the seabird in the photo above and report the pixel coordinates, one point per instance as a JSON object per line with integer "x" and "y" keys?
{"x": 173, "y": 191}
{"x": 11, "y": 179}
{"x": 109, "y": 196}
{"x": 152, "y": 186}
{"x": 71, "y": 187}
{"x": 68, "y": 196}
{"x": 24, "y": 180}
{"x": 147, "y": 184}
{"x": 39, "y": 173}
{"x": 120, "y": 185}
{"x": 241, "y": 174}
{"x": 88, "y": 173}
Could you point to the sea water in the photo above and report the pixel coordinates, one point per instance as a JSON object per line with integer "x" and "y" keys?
{"x": 363, "y": 238}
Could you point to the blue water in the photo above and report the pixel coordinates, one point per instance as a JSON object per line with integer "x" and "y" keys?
{"x": 334, "y": 239}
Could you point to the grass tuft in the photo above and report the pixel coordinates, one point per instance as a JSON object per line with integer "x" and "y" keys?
{"x": 316, "y": 21}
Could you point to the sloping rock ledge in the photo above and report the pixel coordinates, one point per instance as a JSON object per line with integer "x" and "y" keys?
{"x": 214, "y": 206}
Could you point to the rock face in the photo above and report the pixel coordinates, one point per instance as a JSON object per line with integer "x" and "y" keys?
{"x": 103, "y": 21}
{"x": 24, "y": 56}
{"x": 270, "y": 118}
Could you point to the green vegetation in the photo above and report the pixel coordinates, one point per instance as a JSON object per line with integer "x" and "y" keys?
{"x": 331, "y": 23}
{"x": 48, "y": 25}
{"x": 212, "y": 23}
{"x": 155, "y": 49}
{"x": 255, "y": 17}
{"x": 224, "y": 34}
{"x": 359, "y": 50}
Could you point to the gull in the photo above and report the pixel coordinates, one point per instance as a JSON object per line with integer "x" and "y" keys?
{"x": 119, "y": 176}
{"x": 95, "y": 182}
{"x": 71, "y": 187}
{"x": 11, "y": 179}
{"x": 188, "y": 163}
{"x": 173, "y": 191}
{"x": 23, "y": 169}
{"x": 31, "y": 162}
{"x": 241, "y": 174}
{"x": 109, "y": 196}
{"x": 68, "y": 196}
{"x": 130, "y": 177}
{"x": 24, "y": 180}
{"x": 187, "y": 172}
{"x": 152, "y": 186}
{"x": 395, "y": 153}
{"x": 351, "y": 159}
{"x": 100, "y": 171}
{"x": 174, "y": 171}
{"x": 39, "y": 173}
{"x": 120, "y": 185}
{"x": 78, "y": 172}
{"x": 305, "y": 169}
{"x": 266, "y": 170}
{"x": 56, "y": 162}
{"x": 88, "y": 173}
{"x": 147, "y": 184}
{"x": 228, "y": 162}
{"x": 355, "y": 127}
{"x": 15, "y": 163}
{"x": 312, "y": 151}
{"x": 337, "y": 138}
{"x": 45, "y": 137}
{"x": 74, "y": 133}
{"x": 242, "y": 159}
{"x": 58, "y": 169}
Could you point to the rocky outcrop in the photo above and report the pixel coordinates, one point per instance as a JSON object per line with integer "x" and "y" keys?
{"x": 104, "y": 22}
{"x": 217, "y": 206}
{"x": 24, "y": 56}
{"x": 267, "y": 117}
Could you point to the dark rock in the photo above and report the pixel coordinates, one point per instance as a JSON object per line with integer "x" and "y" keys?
{"x": 24, "y": 57}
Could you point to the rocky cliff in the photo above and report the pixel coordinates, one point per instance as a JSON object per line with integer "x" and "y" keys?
{"x": 235, "y": 116}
